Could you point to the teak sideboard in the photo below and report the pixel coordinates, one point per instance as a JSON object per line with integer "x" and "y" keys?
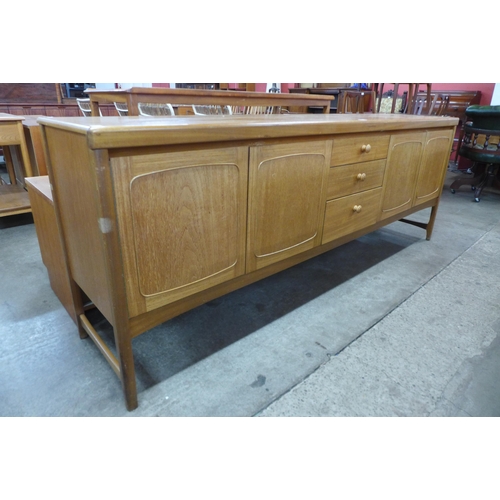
{"x": 160, "y": 215}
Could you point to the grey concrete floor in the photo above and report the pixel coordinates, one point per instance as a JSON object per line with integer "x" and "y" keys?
{"x": 387, "y": 325}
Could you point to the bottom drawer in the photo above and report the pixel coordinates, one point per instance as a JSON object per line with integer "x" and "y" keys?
{"x": 351, "y": 213}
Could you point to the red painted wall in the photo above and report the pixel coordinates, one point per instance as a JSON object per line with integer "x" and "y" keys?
{"x": 259, "y": 87}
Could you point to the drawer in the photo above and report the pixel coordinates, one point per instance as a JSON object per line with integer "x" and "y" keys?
{"x": 359, "y": 148}
{"x": 351, "y": 179}
{"x": 351, "y": 213}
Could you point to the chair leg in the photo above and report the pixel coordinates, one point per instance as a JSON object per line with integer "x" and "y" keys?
{"x": 471, "y": 180}
{"x": 487, "y": 180}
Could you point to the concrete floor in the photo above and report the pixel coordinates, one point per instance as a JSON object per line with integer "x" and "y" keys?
{"x": 387, "y": 325}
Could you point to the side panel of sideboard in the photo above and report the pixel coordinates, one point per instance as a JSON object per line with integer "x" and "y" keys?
{"x": 72, "y": 168}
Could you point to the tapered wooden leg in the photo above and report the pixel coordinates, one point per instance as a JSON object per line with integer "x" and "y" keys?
{"x": 127, "y": 369}
{"x": 430, "y": 224}
{"x": 10, "y": 164}
{"x": 123, "y": 364}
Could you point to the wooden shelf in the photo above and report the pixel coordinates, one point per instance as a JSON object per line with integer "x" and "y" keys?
{"x": 14, "y": 200}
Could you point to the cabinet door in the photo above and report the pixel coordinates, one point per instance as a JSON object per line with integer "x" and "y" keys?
{"x": 182, "y": 222}
{"x": 433, "y": 165}
{"x": 287, "y": 195}
{"x": 401, "y": 171}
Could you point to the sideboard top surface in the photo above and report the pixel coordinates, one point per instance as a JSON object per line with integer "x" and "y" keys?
{"x": 119, "y": 132}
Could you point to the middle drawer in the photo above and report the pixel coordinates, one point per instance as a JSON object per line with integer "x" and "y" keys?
{"x": 350, "y": 179}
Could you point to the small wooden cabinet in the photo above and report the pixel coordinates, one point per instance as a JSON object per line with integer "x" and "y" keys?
{"x": 158, "y": 216}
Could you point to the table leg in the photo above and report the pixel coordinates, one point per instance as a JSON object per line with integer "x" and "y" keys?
{"x": 9, "y": 163}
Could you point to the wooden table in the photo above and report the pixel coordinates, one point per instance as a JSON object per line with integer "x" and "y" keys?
{"x": 333, "y": 92}
{"x": 133, "y": 96}
{"x": 161, "y": 215}
{"x": 13, "y": 197}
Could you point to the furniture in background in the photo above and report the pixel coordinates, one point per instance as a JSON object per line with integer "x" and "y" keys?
{"x": 49, "y": 99}
{"x": 133, "y": 96}
{"x": 481, "y": 145}
{"x": 438, "y": 105}
{"x": 245, "y": 87}
{"x": 413, "y": 89}
{"x": 459, "y": 101}
{"x": 34, "y": 145}
{"x": 13, "y": 155}
{"x": 252, "y": 195}
{"x": 155, "y": 109}
{"x": 49, "y": 240}
{"x": 332, "y": 92}
{"x": 121, "y": 108}
{"x": 211, "y": 109}
{"x": 356, "y": 101}
{"x": 13, "y": 197}
{"x": 84, "y": 106}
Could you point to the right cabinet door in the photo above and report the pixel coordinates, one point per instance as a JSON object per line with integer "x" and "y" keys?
{"x": 433, "y": 165}
{"x": 401, "y": 172}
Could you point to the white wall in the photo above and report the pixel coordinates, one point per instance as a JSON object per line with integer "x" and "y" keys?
{"x": 111, "y": 86}
{"x": 495, "y": 98}
{"x": 105, "y": 86}
{"x": 129, "y": 85}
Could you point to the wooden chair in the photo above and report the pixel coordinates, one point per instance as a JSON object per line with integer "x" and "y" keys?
{"x": 356, "y": 101}
{"x": 122, "y": 108}
{"x": 152, "y": 109}
{"x": 440, "y": 105}
{"x": 84, "y": 105}
{"x": 211, "y": 109}
{"x": 420, "y": 105}
{"x": 413, "y": 89}
{"x": 481, "y": 145}
{"x": 257, "y": 110}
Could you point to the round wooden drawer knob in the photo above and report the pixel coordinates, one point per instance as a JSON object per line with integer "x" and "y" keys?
{"x": 366, "y": 148}
{"x": 361, "y": 177}
{"x": 357, "y": 208}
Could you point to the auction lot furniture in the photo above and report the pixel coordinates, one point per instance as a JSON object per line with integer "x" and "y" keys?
{"x": 481, "y": 145}
{"x": 160, "y": 215}
{"x": 13, "y": 197}
{"x": 133, "y": 96}
{"x": 49, "y": 239}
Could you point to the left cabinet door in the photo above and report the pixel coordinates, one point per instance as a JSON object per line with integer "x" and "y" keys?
{"x": 287, "y": 196}
{"x": 182, "y": 222}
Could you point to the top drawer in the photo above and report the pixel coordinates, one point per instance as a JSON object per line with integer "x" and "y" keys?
{"x": 357, "y": 148}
